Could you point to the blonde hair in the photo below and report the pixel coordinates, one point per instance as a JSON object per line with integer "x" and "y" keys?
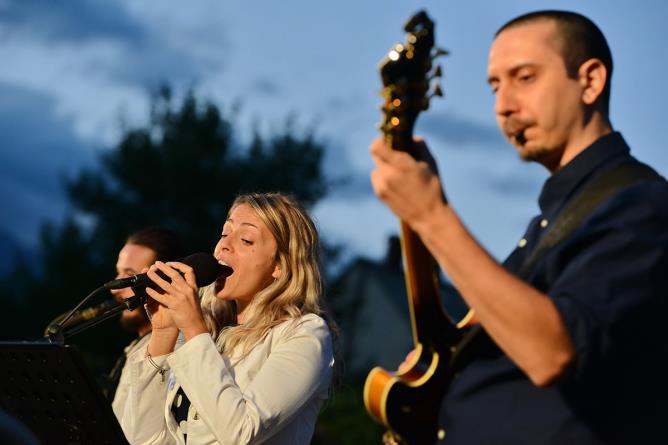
{"x": 296, "y": 292}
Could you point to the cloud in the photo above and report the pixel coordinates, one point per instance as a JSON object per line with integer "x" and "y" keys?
{"x": 265, "y": 87}
{"x": 476, "y": 142}
{"x": 33, "y": 136}
{"x": 353, "y": 186}
{"x": 116, "y": 40}
{"x": 70, "y": 21}
{"x": 346, "y": 180}
{"x": 344, "y": 103}
{"x": 457, "y": 130}
{"x": 9, "y": 250}
{"x": 101, "y": 60}
{"x": 37, "y": 149}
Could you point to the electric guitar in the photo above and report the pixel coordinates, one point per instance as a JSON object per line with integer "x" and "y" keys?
{"x": 408, "y": 402}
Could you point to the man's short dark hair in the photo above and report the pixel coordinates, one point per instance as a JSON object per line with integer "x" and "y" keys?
{"x": 166, "y": 244}
{"x": 581, "y": 40}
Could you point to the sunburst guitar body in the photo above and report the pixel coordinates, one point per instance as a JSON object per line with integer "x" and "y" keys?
{"x": 408, "y": 402}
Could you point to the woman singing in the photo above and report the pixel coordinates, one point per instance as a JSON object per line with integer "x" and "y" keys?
{"x": 253, "y": 361}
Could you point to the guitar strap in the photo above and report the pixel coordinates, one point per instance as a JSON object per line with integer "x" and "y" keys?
{"x": 577, "y": 209}
{"x": 583, "y": 204}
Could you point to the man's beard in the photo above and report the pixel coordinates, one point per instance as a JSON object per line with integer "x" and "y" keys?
{"x": 543, "y": 155}
{"x": 536, "y": 154}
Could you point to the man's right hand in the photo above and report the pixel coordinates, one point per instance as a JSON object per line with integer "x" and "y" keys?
{"x": 410, "y": 188}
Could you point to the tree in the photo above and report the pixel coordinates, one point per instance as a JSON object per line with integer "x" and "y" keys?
{"x": 181, "y": 171}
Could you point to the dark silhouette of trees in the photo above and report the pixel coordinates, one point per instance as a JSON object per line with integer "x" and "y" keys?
{"x": 181, "y": 171}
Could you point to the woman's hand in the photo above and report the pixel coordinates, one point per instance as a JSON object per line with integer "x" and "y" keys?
{"x": 176, "y": 305}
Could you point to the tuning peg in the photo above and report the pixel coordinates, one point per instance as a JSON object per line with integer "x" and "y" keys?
{"x": 437, "y": 72}
{"x": 437, "y": 91}
{"x": 438, "y": 52}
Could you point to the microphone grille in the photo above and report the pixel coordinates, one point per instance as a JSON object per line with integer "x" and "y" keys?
{"x": 206, "y": 267}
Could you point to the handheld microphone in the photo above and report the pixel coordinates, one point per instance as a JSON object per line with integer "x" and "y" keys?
{"x": 205, "y": 266}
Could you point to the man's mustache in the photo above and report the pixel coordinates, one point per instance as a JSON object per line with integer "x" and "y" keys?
{"x": 514, "y": 128}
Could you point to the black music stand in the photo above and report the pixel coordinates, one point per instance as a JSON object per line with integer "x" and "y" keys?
{"x": 47, "y": 387}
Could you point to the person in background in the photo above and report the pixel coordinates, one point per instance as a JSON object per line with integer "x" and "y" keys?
{"x": 142, "y": 249}
{"x": 577, "y": 343}
{"x": 252, "y": 362}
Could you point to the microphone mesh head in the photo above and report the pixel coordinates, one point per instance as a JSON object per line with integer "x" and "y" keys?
{"x": 206, "y": 267}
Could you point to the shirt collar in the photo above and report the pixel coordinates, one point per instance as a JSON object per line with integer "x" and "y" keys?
{"x": 565, "y": 181}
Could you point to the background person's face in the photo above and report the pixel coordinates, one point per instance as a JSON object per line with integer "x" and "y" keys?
{"x": 132, "y": 259}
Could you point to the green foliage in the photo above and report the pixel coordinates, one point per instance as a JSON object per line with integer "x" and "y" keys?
{"x": 344, "y": 420}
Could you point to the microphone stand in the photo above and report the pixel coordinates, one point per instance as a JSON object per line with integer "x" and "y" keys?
{"x": 95, "y": 320}
{"x": 57, "y": 333}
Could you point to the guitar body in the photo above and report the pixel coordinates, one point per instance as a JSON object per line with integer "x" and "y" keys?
{"x": 408, "y": 401}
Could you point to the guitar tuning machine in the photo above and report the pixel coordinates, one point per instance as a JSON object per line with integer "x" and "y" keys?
{"x": 438, "y": 72}
{"x": 438, "y": 52}
{"x": 437, "y": 91}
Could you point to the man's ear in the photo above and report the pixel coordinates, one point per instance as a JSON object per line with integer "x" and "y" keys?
{"x": 593, "y": 76}
{"x": 276, "y": 274}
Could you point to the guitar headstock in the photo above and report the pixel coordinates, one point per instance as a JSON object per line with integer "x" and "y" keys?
{"x": 407, "y": 71}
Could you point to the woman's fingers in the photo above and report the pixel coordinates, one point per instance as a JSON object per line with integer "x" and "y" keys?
{"x": 175, "y": 295}
{"x": 171, "y": 276}
{"x": 159, "y": 278}
{"x": 186, "y": 272}
{"x": 161, "y": 298}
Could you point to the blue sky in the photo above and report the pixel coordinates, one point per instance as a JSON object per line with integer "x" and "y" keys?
{"x": 74, "y": 72}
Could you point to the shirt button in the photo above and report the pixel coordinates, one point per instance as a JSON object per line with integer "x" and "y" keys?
{"x": 543, "y": 223}
{"x": 522, "y": 242}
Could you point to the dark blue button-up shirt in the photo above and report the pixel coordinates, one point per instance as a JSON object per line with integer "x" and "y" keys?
{"x": 609, "y": 282}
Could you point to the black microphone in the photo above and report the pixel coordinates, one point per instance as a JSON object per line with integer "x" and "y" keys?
{"x": 206, "y": 268}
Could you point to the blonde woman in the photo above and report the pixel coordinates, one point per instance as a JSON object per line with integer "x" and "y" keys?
{"x": 254, "y": 360}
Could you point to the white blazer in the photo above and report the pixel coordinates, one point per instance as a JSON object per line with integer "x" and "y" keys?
{"x": 118, "y": 404}
{"x": 272, "y": 396}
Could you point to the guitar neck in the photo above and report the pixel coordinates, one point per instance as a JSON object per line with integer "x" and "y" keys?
{"x": 428, "y": 320}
